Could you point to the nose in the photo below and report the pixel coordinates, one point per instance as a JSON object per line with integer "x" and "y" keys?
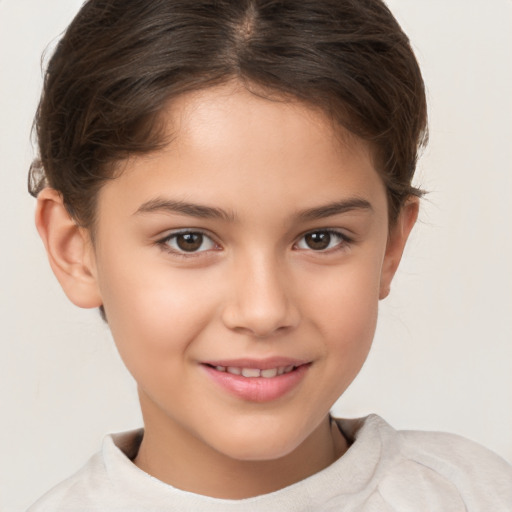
{"x": 261, "y": 302}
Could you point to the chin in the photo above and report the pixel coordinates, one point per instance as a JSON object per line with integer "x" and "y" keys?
{"x": 258, "y": 445}
{"x": 257, "y": 453}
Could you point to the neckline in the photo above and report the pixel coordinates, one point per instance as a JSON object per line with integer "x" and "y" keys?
{"x": 351, "y": 473}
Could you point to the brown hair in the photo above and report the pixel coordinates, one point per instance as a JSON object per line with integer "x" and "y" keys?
{"x": 120, "y": 61}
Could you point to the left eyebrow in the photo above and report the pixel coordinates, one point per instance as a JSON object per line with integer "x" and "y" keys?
{"x": 335, "y": 208}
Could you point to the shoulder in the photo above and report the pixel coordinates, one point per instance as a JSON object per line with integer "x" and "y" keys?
{"x": 94, "y": 484}
{"x": 435, "y": 468}
{"x": 450, "y": 449}
{"x": 478, "y": 473}
{"x": 74, "y": 493}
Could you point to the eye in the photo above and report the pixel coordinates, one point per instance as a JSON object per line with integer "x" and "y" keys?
{"x": 322, "y": 240}
{"x": 188, "y": 242}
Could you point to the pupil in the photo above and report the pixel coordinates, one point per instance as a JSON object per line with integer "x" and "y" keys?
{"x": 189, "y": 241}
{"x": 319, "y": 240}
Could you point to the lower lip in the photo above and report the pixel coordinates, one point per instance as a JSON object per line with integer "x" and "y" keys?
{"x": 258, "y": 389}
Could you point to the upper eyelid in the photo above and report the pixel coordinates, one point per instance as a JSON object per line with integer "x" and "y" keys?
{"x": 177, "y": 231}
{"x": 181, "y": 231}
{"x": 335, "y": 231}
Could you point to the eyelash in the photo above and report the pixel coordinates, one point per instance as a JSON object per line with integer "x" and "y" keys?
{"x": 164, "y": 243}
{"x": 344, "y": 240}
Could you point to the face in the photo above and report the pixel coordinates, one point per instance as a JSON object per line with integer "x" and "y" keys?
{"x": 240, "y": 269}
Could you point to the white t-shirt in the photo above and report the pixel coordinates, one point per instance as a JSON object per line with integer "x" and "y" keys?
{"x": 384, "y": 470}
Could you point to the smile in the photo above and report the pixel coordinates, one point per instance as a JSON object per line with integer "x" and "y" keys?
{"x": 251, "y": 373}
{"x": 257, "y": 381}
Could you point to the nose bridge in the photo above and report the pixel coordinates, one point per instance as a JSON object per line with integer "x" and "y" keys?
{"x": 261, "y": 300}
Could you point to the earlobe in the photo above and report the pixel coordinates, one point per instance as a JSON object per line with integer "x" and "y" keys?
{"x": 397, "y": 239}
{"x": 69, "y": 250}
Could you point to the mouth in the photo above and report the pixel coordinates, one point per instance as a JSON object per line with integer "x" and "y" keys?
{"x": 254, "y": 373}
{"x": 257, "y": 381}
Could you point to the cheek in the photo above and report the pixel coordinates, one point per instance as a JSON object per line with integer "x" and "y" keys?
{"x": 349, "y": 326}
{"x": 346, "y": 298}
{"x": 154, "y": 312}
{"x": 346, "y": 308}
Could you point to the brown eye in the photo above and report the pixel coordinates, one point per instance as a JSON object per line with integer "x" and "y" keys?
{"x": 189, "y": 241}
{"x": 321, "y": 240}
{"x": 318, "y": 241}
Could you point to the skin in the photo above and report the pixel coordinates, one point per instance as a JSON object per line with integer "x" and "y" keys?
{"x": 254, "y": 289}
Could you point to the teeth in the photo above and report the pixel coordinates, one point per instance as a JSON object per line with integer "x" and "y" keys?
{"x": 251, "y": 372}
{"x": 269, "y": 373}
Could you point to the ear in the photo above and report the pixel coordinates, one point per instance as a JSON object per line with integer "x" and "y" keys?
{"x": 398, "y": 235}
{"x": 69, "y": 250}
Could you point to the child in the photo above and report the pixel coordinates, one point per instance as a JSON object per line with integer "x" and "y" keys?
{"x": 230, "y": 183}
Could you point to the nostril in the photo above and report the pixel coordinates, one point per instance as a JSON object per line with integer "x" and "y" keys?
{"x": 261, "y": 332}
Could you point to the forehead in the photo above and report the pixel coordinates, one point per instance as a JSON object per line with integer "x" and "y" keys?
{"x": 228, "y": 144}
{"x": 253, "y": 115}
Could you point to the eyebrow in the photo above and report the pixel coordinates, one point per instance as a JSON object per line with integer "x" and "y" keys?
{"x": 184, "y": 208}
{"x": 208, "y": 212}
{"x": 336, "y": 208}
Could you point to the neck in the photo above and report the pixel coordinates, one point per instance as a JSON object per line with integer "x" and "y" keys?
{"x": 178, "y": 458}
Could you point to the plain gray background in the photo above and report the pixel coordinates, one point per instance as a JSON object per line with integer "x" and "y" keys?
{"x": 442, "y": 358}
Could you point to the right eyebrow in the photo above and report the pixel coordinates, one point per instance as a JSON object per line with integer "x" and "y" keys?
{"x": 163, "y": 205}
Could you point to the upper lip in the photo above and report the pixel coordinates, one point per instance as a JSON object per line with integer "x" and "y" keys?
{"x": 262, "y": 364}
